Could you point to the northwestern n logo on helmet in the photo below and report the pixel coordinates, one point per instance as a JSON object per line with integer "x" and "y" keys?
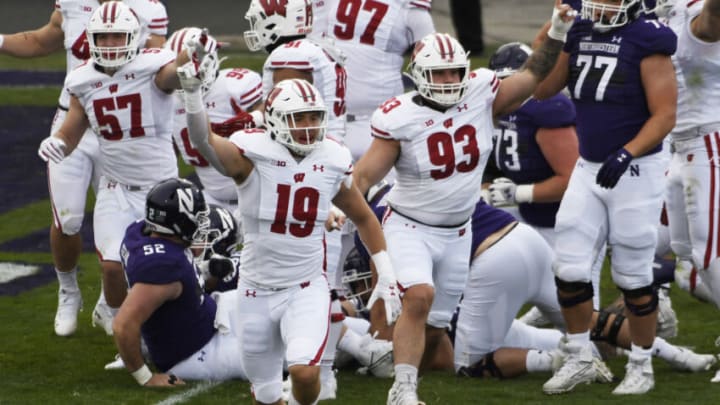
{"x": 186, "y": 203}
{"x": 226, "y": 219}
{"x": 273, "y": 7}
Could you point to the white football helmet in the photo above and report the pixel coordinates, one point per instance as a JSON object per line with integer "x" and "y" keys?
{"x": 113, "y": 17}
{"x": 177, "y": 43}
{"x": 285, "y": 100}
{"x": 661, "y": 8}
{"x": 439, "y": 52}
{"x": 271, "y": 20}
{"x": 607, "y": 16}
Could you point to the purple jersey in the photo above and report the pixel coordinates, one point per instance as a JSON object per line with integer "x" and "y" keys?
{"x": 575, "y": 4}
{"x": 487, "y": 220}
{"x": 605, "y": 83}
{"x": 519, "y": 156}
{"x": 180, "y": 327}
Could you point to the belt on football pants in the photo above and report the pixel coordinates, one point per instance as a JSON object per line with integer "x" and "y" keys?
{"x": 61, "y": 107}
{"x": 423, "y": 223}
{"x": 128, "y": 187}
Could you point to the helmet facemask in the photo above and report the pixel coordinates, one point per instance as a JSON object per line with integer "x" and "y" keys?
{"x": 113, "y": 18}
{"x": 661, "y": 8}
{"x": 607, "y": 16}
{"x": 434, "y": 56}
{"x": 296, "y": 116}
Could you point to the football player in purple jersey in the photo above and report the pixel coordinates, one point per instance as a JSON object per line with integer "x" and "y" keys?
{"x": 166, "y": 304}
{"x": 617, "y": 67}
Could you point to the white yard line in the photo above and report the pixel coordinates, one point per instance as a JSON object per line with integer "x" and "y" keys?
{"x": 184, "y": 396}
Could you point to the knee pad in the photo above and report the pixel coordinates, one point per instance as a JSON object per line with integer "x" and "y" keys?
{"x": 486, "y": 367}
{"x": 641, "y": 309}
{"x": 69, "y": 224}
{"x": 582, "y": 291}
{"x": 596, "y": 333}
{"x": 267, "y": 392}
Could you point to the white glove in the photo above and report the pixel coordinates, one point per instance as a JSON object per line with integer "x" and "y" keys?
{"x": 200, "y": 45}
{"x": 386, "y": 287}
{"x": 189, "y": 77}
{"x": 561, "y": 21}
{"x": 52, "y": 149}
{"x": 504, "y": 192}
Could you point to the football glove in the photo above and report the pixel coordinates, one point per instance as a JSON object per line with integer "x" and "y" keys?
{"x": 386, "y": 287}
{"x": 613, "y": 167}
{"x": 504, "y": 192}
{"x": 52, "y": 149}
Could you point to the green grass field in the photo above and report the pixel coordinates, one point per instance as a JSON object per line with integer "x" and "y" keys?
{"x": 37, "y": 367}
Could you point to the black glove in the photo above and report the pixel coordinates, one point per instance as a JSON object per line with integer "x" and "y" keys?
{"x": 613, "y": 167}
{"x": 221, "y": 266}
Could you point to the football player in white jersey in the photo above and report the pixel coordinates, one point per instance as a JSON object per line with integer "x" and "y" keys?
{"x": 280, "y": 29}
{"x": 438, "y": 138}
{"x": 692, "y": 197}
{"x": 377, "y": 35}
{"x": 229, "y": 94}
{"x": 287, "y": 178}
{"x": 124, "y": 94}
{"x": 69, "y": 180}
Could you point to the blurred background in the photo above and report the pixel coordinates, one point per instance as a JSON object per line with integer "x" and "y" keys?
{"x": 504, "y": 20}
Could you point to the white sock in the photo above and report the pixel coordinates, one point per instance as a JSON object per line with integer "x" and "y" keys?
{"x": 68, "y": 279}
{"x": 350, "y": 343}
{"x": 538, "y": 360}
{"x": 582, "y": 338}
{"x": 664, "y": 350}
{"x": 638, "y": 353}
{"x": 406, "y": 373}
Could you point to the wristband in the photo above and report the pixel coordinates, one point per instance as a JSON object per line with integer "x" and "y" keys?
{"x": 382, "y": 262}
{"x": 193, "y": 101}
{"x": 524, "y": 193}
{"x": 142, "y": 375}
{"x": 2, "y": 39}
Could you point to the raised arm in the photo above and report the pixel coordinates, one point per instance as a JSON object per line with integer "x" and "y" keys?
{"x": 517, "y": 88}
{"x": 40, "y": 42}
{"x": 220, "y": 152}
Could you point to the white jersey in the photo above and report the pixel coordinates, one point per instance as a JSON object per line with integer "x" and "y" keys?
{"x": 442, "y": 154}
{"x": 329, "y": 77}
{"x": 284, "y": 205}
{"x": 76, "y": 14}
{"x": 697, "y": 67}
{"x": 320, "y": 9}
{"x": 131, "y": 117}
{"x": 374, "y": 38}
{"x": 240, "y": 86}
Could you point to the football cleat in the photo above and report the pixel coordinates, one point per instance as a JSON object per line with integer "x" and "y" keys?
{"x": 117, "y": 364}
{"x": 69, "y": 304}
{"x": 579, "y": 367}
{"x": 688, "y": 360}
{"x": 639, "y": 377}
{"x": 103, "y": 317}
{"x": 378, "y": 359}
{"x": 534, "y": 317}
{"x": 403, "y": 393}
